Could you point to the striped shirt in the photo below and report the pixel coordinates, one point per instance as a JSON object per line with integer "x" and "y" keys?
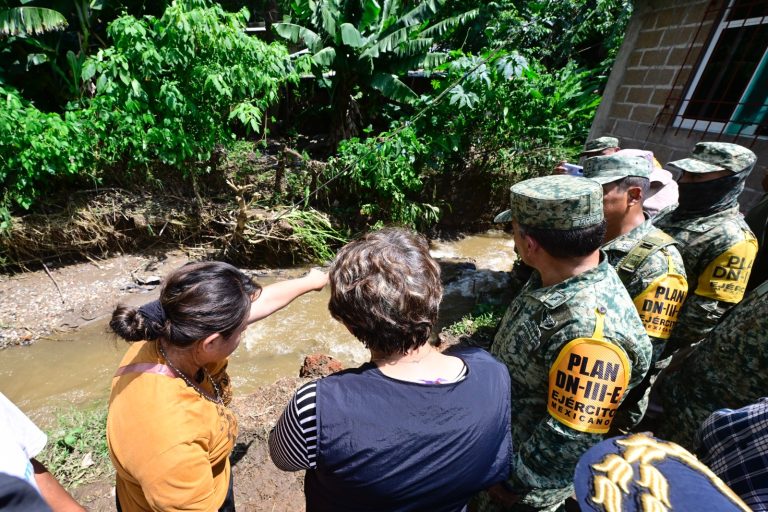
{"x": 293, "y": 441}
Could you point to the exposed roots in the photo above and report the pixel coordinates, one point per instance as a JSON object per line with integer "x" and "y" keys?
{"x": 98, "y": 223}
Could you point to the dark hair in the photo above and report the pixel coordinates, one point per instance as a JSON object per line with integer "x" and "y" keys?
{"x": 625, "y": 184}
{"x": 568, "y": 243}
{"x": 198, "y": 299}
{"x": 386, "y": 289}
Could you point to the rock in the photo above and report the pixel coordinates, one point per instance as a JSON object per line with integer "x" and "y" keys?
{"x": 149, "y": 280}
{"x": 319, "y": 365}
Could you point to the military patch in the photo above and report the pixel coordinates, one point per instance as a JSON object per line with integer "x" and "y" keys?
{"x": 726, "y": 276}
{"x": 659, "y": 305}
{"x": 586, "y": 384}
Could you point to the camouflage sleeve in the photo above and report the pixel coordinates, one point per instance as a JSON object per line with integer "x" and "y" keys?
{"x": 544, "y": 463}
{"x": 697, "y": 318}
{"x": 720, "y": 284}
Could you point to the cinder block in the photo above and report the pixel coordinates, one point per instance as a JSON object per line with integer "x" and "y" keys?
{"x": 676, "y": 57}
{"x": 634, "y": 77}
{"x": 624, "y": 128}
{"x": 639, "y": 95}
{"x": 660, "y": 96}
{"x": 660, "y": 77}
{"x": 644, "y": 114}
{"x": 634, "y": 59}
{"x": 654, "y": 58}
{"x": 649, "y": 39}
{"x": 620, "y": 111}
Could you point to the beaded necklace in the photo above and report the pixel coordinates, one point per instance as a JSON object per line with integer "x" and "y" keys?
{"x": 217, "y": 399}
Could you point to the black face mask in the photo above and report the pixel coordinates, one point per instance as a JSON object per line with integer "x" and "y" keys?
{"x": 708, "y": 197}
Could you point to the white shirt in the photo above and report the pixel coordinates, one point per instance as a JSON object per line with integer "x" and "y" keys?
{"x": 20, "y": 440}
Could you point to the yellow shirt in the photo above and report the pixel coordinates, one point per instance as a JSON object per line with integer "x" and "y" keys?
{"x": 169, "y": 445}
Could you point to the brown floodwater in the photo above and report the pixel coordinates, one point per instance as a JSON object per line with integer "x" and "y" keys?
{"x": 75, "y": 369}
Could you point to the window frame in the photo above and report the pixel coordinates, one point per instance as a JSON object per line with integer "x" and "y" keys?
{"x": 720, "y": 127}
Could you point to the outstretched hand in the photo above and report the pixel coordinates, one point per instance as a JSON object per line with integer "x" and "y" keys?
{"x": 317, "y": 279}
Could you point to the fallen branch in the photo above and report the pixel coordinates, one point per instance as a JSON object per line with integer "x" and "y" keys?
{"x": 48, "y": 272}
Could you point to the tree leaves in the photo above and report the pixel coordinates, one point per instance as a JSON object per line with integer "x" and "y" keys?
{"x": 296, "y": 33}
{"x": 351, "y": 37}
{"x": 30, "y": 20}
{"x": 391, "y": 87}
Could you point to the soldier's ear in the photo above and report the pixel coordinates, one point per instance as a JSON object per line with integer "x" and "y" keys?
{"x": 634, "y": 196}
{"x": 531, "y": 244}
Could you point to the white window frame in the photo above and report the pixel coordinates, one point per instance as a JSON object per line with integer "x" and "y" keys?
{"x": 716, "y": 126}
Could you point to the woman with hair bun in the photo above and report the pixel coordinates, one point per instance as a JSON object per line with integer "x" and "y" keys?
{"x": 415, "y": 429}
{"x": 169, "y": 430}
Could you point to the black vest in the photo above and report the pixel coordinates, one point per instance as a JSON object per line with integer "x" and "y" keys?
{"x": 390, "y": 445}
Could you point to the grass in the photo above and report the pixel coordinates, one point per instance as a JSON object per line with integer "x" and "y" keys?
{"x": 315, "y": 233}
{"x": 77, "y": 452}
{"x": 481, "y": 322}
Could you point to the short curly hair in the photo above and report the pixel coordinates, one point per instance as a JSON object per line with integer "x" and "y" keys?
{"x": 386, "y": 289}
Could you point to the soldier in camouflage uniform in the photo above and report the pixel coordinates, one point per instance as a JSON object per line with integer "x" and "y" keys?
{"x": 572, "y": 340}
{"x": 717, "y": 246}
{"x": 646, "y": 259}
{"x": 727, "y": 369}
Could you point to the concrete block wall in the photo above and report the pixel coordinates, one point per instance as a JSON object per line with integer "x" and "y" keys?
{"x": 661, "y": 48}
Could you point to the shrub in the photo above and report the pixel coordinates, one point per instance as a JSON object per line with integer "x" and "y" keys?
{"x": 37, "y": 149}
{"x": 383, "y": 176}
{"x": 169, "y": 87}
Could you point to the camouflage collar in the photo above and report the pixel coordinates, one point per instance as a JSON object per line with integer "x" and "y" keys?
{"x": 625, "y": 242}
{"x": 555, "y": 295}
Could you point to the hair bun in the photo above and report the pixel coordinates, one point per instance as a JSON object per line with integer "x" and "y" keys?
{"x": 129, "y": 324}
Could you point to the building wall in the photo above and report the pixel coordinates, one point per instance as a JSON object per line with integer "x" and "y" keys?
{"x": 661, "y": 50}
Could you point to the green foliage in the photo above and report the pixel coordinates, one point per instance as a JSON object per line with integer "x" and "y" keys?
{"x": 368, "y": 45}
{"x": 539, "y": 116}
{"x": 37, "y": 148}
{"x": 481, "y": 322}
{"x": 556, "y": 32}
{"x": 382, "y": 175}
{"x": 166, "y": 92}
{"x": 77, "y": 451}
{"x": 26, "y": 20}
{"x": 315, "y": 234}
{"x": 168, "y": 88}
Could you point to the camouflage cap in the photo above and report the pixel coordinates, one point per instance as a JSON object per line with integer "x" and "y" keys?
{"x": 717, "y": 156}
{"x": 599, "y": 144}
{"x": 555, "y": 202}
{"x": 609, "y": 168}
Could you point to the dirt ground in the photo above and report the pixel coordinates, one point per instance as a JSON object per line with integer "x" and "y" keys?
{"x": 62, "y": 298}
{"x": 39, "y": 304}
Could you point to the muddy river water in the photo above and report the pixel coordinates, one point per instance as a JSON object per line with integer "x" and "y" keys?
{"x": 76, "y": 369}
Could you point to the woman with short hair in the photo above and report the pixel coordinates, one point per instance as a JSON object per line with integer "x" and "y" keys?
{"x": 413, "y": 429}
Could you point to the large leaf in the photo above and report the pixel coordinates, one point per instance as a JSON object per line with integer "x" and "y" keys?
{"x": 350, "y": 36}
{"x": 325, "y": 57}
{"x": 423, "y": 11}
{"x": 388, "y": 43}
{"x": 388, "y": 10}
{"x": 391, "y": 87}
{"x": 447, "y": 24}
{"x": 296, "y": 33}
{"x": 371, "y": 12}
{"x": 30, "y": 20}
{"x": 434, "y": 59}
{"x": 415, "y": 46}
{"x": 329, "y": 17}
